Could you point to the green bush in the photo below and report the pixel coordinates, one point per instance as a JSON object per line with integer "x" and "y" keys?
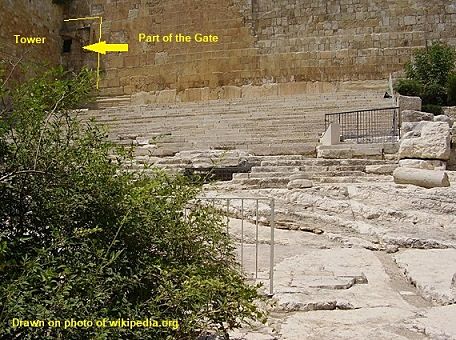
{"x": 409, "y": 87}
{"x": 432, "y": 108}
{"x": 435, "y": 94}
{"x": 83, "y": 239}
{"x": 432, "y": 65}
{"x": 451, "y": 89}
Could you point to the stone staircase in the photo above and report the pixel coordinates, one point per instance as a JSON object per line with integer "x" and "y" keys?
{"x": 278, "y": 171}
{"x": 270, "y": 126}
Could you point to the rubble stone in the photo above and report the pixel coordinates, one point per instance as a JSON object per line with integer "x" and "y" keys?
{"x": 432, "y": 143}
{"x": 415, "y": 116}
{"x": 420, "y": 177}
{"x": 423, "y": 164}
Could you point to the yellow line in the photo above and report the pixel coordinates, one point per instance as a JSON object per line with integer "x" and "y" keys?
{"x": 98, "y": 58}
{"x": 99, "y": 40}
{"x": 86, "y": 18}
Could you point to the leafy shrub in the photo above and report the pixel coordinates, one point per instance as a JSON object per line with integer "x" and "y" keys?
{"x": 408, "y": 87}
{"x": 434, "y": 94}
{"x": 432, "y": 65}
{"x": 451, "y": 89}
{"x": 432, "y": 108}
{"x": 82, "y": 238}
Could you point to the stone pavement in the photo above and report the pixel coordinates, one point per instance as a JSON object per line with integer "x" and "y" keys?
{"x": 327, "y": 289}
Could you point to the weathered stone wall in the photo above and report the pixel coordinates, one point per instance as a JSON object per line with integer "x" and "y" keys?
{"x": 31, "y": 18}
{"x": 266, "y": 41}
{"x": 260, "y": 42}
{"x": 347, "y": 39}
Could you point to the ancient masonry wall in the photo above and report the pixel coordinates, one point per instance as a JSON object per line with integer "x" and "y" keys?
{"x": 266, "y": 41}
{"x": 31, "y": 18}
{"x": 286, "y": 42}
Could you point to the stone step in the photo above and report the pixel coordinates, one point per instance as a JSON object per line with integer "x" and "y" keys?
{"x": 351, "y": 151}
{"x": 353, "y": 179}
{"x": 260, "y": 183}
{"x": 322, "y": 174}
{"x": 308, "y": 168}
{"x": 266, "y": 175}
{"x": 304, "y": 175}
{"x": 323, "y": 162}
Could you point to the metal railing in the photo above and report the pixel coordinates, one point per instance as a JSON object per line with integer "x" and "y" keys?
{"x": 236, "y": 208}
{"x": 367, "y": 126}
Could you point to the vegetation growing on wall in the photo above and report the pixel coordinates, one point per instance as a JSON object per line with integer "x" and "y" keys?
{"x": 82, "y": 239}
{"x": 431, "y": 75}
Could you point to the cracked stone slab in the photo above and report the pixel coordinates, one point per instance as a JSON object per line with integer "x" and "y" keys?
{"x": 366, "y": 323}
{"x": 432, "y": 271}
{"x": 436, "y": 323}
{"x": 337, "y": 278}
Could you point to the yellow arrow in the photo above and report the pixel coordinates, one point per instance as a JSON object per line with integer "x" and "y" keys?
{"x": 102, "y": 47}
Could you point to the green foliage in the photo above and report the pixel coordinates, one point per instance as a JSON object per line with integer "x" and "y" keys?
{"x": 429, "y": 73}
{"x": 432, "y": 65}
{"x": 409, "y": 87}
{"x": 434, "y": 94}
{"x": 451, "y": 89}
{"x": 82, "y": 238}
{"x": 431, "y": 108}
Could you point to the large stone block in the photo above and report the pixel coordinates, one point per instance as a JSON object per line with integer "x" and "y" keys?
{"x": 433, "y": 142}
{"x": 444, "y": 118}
{"x": 415, "y": 116}
{"x": 266, "y": 90}
{"x": 423, "y": 164}
{"x": 453, "y": 136}
{"x": 166, "y": 96}
{"x": 332, "y": 135}
{"x": 143, "y": 98}
{"x": 299, "y": 184}
{"x": 230, "y": 92}
{"x": 341, "y": 151}
{"x": 382, "y": 169}
{"x": 419, "y": 177}
{"x": 409, "y": 103}
{"x": 411, "y": 126}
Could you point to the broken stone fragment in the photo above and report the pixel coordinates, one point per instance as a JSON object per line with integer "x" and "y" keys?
{"x": 432, "y": 143}
{"x": 299, "y": 184}
{"x": 382, "y": 169}
{"x": 141, "y": 141}
{"x": 392, "y": 248}
{"x": 423, "y": 164}
{"x": 415, "y": 116}
{"x": 411, "y": 126}
{"x": 444, "y": 118}
{"x": 420, "y": 177}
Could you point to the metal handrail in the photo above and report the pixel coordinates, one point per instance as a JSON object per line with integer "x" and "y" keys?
{"x": 227, "y": 205}
{"x": 367, "y": 125}
{"x": 364, "y": 110}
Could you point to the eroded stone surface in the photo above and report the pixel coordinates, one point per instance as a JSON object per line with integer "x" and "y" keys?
{"x": 300, "y": 184}
{"x": 343, "y": 283}
{"x": 420, "y": 177}
{"x": 432, "y": 271}
{"x": 436, "y": 323}
{"x": 368, "y": 323}
{"x": 423, "y": 164}
{"x": 415, "y": 116}
{"x": 432, "y": 143}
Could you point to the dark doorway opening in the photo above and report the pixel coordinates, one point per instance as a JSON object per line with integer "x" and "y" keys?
{"x": 67, "y": 45}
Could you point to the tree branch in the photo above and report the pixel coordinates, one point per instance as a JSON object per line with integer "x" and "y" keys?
{"x": 15, "y": 173}
{"x": 44, "y": 127}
